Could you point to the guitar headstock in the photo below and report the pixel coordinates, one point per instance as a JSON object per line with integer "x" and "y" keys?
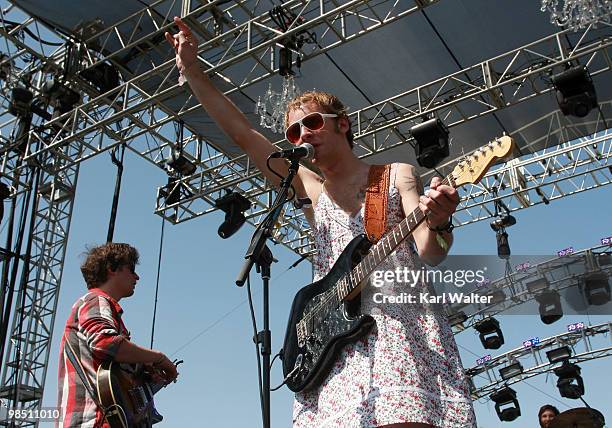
{"x": 471, "y": 169}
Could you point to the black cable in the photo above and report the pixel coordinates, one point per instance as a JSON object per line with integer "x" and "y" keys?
{"x": 25, "y": 271}
{"x": 159, "y": 259}
{"x": 7, "y": 260}
{"x": 13, "y": 25}
{"x": 113, "y": 215}
{"x": 10, "y": 286}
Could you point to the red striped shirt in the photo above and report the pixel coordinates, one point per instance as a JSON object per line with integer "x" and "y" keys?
{"x": 95, "y": 331}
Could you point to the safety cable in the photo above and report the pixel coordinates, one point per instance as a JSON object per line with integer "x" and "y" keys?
{"x": 159, "y": 259}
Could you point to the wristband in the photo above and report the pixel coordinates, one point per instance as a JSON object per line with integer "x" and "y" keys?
{"x": 447, "y": 227}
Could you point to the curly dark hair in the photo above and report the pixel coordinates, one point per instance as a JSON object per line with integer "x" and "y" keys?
{"x": 108, "y": 256}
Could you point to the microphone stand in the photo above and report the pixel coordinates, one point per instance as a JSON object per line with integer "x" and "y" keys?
{"x": 258, "y": 253}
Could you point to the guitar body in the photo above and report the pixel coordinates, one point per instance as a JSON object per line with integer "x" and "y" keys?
{"x": 127, "y": 396}
{"x": 343, "y": 325}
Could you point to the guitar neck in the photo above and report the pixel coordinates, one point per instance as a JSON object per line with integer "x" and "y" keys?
{"x": 352, "y": 283}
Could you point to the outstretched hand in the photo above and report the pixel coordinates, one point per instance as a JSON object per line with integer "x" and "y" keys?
{"x": 185, "y": 45}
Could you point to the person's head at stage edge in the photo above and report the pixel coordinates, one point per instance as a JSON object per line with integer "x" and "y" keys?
{"x": 546, "y": 414}
{"x": 111, "y": 267}
{"x": 305, "y": 125}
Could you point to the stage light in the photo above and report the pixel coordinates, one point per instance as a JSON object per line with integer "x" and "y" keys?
{"x": 503, "y": 246}
{"x": 502, "y": 222}
{"x": 549, "y": 306}
{"x": 506, "y": 405}
{"x": 21, "y": 102}
{"x": 431, "y": 139}
{"x": 491, "y": 335}
{"x": 179, "y": 163}
{"x": 103, "y": 76}
{"x": 570, "y": 383}
{"x": 511, "y": 371}
{"x": 234, "y": 205}
{"x": 576, "y": 94}
{"x": 558, "y": 354}
{"x": 538, "y": 285}
{"x": 63, "y": 99}
{"x": 597, "y": 288}
{"x": 284, "y": 62}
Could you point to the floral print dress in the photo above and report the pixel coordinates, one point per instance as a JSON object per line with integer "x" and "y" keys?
{"x": 407, "y": 369}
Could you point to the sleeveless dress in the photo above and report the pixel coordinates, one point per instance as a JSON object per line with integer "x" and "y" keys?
{"x": 407, "y": 369}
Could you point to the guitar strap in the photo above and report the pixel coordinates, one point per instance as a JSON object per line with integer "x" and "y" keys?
{"x": 78, "y": 367}
{"x": 376, "y": 200}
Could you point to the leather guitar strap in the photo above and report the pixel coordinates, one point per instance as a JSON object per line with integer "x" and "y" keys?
{"x": 377, "y": 196}
{"x": 78, "y": 368}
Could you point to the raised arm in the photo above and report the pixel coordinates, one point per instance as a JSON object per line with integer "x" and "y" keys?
{"x": 225, "y": 113}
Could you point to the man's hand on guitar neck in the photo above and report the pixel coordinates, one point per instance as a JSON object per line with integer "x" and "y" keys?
{"x": 165, "y": 368}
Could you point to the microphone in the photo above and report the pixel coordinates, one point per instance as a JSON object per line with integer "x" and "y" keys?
{"x": 303, "y": 151}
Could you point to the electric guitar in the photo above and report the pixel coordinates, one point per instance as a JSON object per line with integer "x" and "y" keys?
{"x": 127, "y": 396}
{"x": 325, "y": 315}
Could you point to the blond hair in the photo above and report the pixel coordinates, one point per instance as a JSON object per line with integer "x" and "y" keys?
{"x": 328, "y": 102}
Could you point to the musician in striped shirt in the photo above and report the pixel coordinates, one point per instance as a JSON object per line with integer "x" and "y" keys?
{"x": 95, "y": 333}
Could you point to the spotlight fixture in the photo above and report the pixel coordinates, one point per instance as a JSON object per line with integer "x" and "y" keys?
{"x": 179, "y": 163}
{"x": 491, "y": 335}
{"x": 284, "y": 61}
{"x": 597, "y": 288}
{"x": 570, "y": 383}
{"x": 234, "y": 205}
{"x": 575, "y": 91}
{"x": 558, "y": 354}
{"x": 549, "y": 306}
{"x": 503, "y": 246}
{"x": 431, "y": 139}
{"x": 63, "y": 99}
{"x": 511, "y": 371}
{"x": 502, "y": 222}
{"x": 103, "y": 76}
{"x": 21, "y": 102}
{"x": 506, "y": 405}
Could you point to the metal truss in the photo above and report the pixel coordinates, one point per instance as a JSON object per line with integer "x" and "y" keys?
{"x": 544, "y": 176}
{"x": 521, "y": 76}
{"x": 131, "y": 115}
{"x": 513, "y": 290}
{"x": 143, "y": 97}
{"x": 587, "y": 343}
{"x": 29, "y": 345}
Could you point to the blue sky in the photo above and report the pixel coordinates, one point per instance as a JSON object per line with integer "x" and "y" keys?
{"x": 203, "y": 317}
